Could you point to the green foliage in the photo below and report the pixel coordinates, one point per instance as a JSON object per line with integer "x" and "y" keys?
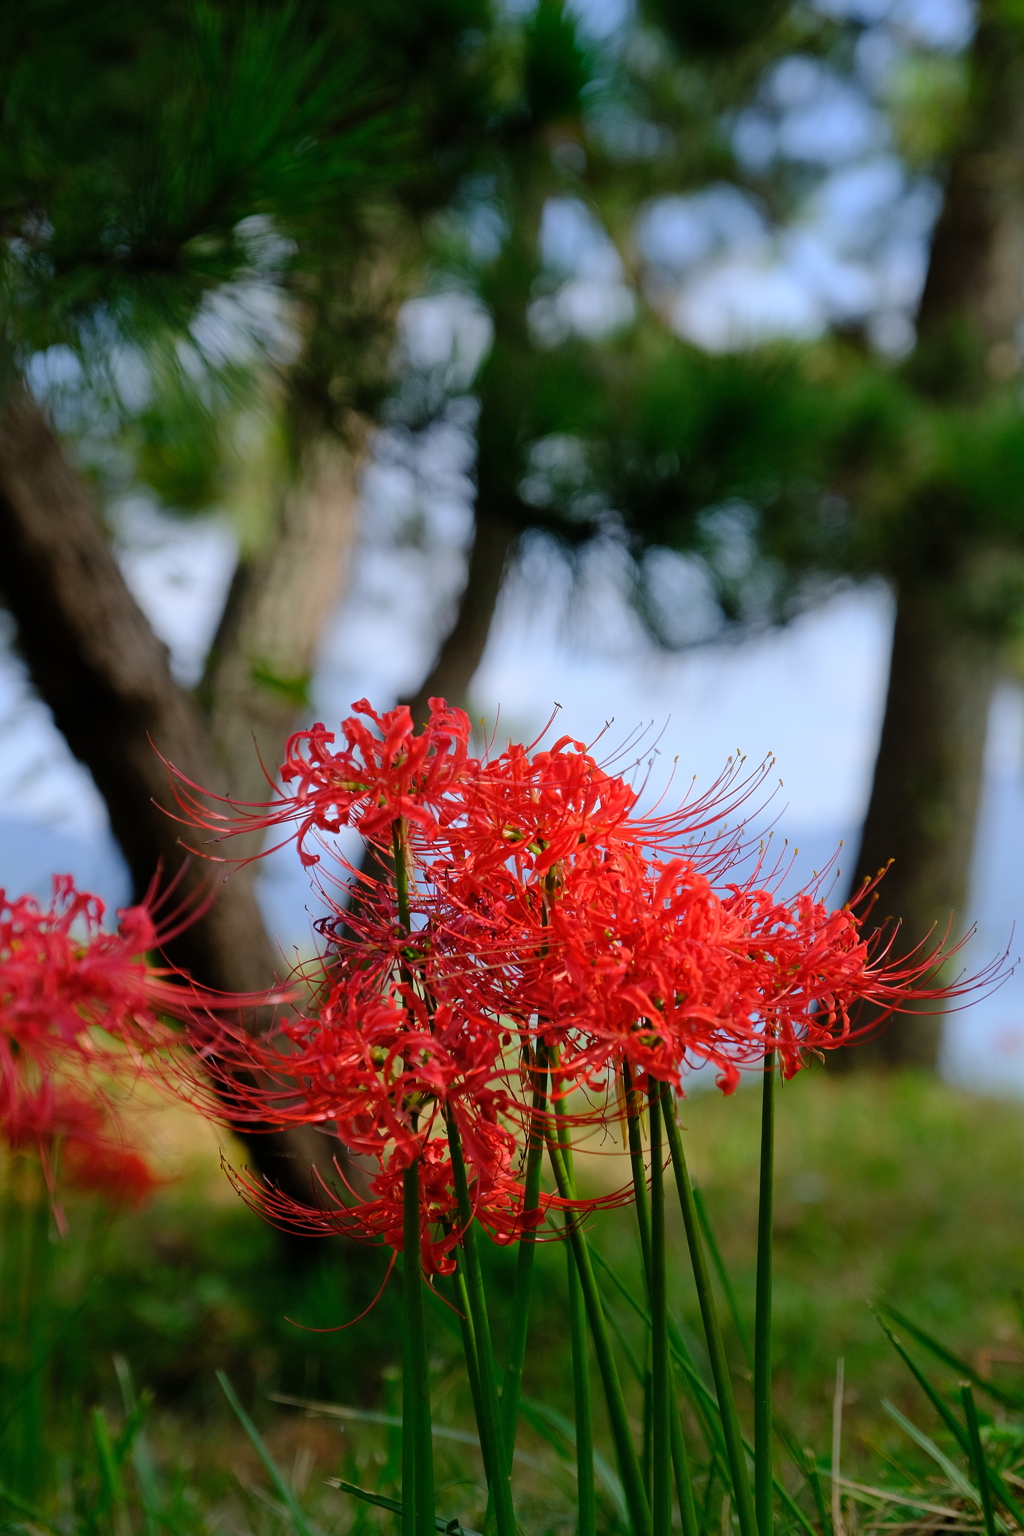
{"x": 555, "y": 67}
{"x": 713, "y": 28}
{"x": 896, "y": 1188}
{"x": 140, "y": 161}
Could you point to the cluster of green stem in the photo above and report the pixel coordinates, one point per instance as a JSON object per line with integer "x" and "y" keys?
{"x": 647, "y": 1482}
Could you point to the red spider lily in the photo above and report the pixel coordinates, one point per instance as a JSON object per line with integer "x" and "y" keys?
{"x": 371, "y": 1063}
{"x": 67, "y": 988}
{"x": 544, "y": 912}
{"x": 80, "y": 1143}
{"x": 497, "y": 1203}
{"x": 119, "y": 1175}
{"x": 636, "y": 962}
{"x": 81, "y": 1006}
{"x": 370, "y": 783}
{"x": 814, "y": 969}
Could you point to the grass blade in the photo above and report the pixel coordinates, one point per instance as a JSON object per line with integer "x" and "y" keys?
{"x": 950, "y": 1470}
{"x": 837, "y": 1446}
{"x": 448, "y": 1527}
{"x": 724, "y": 1278}
{"x": 544, "y": 1419}
{"x": 978, "y": 1457}
{"x": 952, "y": 1423}
{"x": 112, "y": 1494}
{"x": 962, "y": 1367}
{"x": 142, "y": 1460}
{"x": 273, "y": 1471}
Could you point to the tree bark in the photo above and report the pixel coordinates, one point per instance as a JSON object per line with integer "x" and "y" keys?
{"x": 262, "y": 659}
{"x": 462, "y": 649}
{"x": 926, "y": 794}
{"x": 96, "y": 662}
{"x": 928, "y": 775}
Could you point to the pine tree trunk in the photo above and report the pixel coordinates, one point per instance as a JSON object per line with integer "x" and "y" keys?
{"x": 96, "y": 662}
{"x": 925, "y": 795}
{"x": 262, "y": 659}
{"x": 927, "y": 783}
{"x": 462, "y": 649}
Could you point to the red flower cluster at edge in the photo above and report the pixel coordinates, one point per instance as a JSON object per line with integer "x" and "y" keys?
{"x": 80, "y": 1008}
{"x": 534, "y": 920}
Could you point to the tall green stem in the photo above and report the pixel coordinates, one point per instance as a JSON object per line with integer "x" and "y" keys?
{"x": 763, "y": 1433}
{"x": 418, "y": 1514}
{"x": 681, "y": 1466}
{"x": 468, "y": 1337}
{"x": 586, "y": 1510}
{"x": 496, "y": 1464}
{"x": 680, "y": 1460}
{"x": 629, "y": 1466}
{"x": 401, "y": 873}
{"x": 731, "y": 1431}
{"x": 519, "y": 1324}
{"x": 641, "y": 1195}
{"x": 661, "y": 1384}
{"x": 417, "y": 1446}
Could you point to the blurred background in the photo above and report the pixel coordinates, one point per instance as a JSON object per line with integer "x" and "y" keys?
{"x": 655, "y": 361}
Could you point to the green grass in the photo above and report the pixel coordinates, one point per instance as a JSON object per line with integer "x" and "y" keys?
{"x": 899, "y": 1189}
{"x": 892, "y": 1188}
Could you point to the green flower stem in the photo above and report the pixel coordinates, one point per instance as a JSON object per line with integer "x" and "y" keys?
{"x": 401, "y": 873}
{"x": 417, "y": 1446}
{"x": 417, "y": 1440}
{"x": 489, "y": 1422}
{"x": 629, "y": 1466}
{"x": 583, "y": 1402}
{"x": 643, "y": 1202}
{"x": 978, "y": 1457}
{"x": 586, "y": 1512}
{"x": 648, "y": 1424}
{"x": 468, "y": 1337}
{"x": 742, "y": 1499}
{"x": 518, "y": 1327}
{"x": 704, "y": 1404}
{"x": 661, "y": 1384}
{"x": 681, "y": 1467}
{"x": 641, "y": 1194}
{"x": 642, "y": 1206}
{"x": 763, "y": 1431}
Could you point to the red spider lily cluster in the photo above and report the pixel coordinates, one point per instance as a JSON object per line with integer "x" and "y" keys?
{"x": 533, "y": 926}
{"x": 80, "y": 1007}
